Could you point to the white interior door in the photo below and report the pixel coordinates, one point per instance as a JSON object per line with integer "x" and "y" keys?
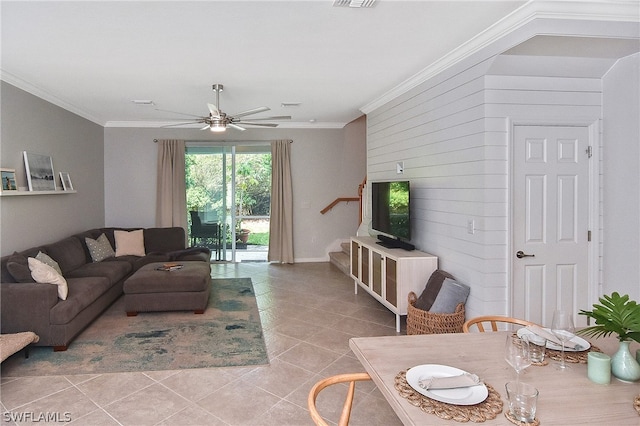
{"x": 550, "y": 222}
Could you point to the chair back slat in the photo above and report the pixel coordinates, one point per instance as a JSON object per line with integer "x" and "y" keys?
{"x": 494, "y": 320}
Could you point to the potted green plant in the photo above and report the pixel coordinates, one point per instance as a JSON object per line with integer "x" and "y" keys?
{"x": 242, "y": 234}
{"x": 620, "y": 316}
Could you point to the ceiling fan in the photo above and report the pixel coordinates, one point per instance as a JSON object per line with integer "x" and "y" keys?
{"x": 218, "y": 121}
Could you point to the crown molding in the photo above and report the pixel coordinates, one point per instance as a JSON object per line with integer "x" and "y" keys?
{"x": 616, "y": 11}
{"x": 43, "y": 94}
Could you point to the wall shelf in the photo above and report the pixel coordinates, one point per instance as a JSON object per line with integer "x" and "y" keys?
{"x": 21, "y": 193}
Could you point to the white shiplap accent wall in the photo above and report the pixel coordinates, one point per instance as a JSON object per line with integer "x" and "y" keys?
{"x": 452, "y": 133}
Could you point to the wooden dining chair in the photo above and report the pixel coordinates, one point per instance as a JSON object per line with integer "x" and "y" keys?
{"x": 493, "y": 320}
{"x": 350, "y": 378}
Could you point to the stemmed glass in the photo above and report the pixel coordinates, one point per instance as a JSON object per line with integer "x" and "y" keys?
{"x": 516, "y": 353}
{"x": 562, "y": 327}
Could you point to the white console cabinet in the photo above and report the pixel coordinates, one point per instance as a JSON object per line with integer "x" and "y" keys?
{"x": 390, "y": 274}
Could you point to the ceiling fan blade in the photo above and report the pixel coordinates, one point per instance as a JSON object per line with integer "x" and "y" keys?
{"x": 277, "y": 117}
{"x": 205, "y": 127}
{"x": 250, "y": 111}
{"x": 246, "y": 123}
{"x": 180, "y": 113}
{"x": 235, "y": 126}
{"x": 215, "y": 113}
{"x": 181, "y": 124}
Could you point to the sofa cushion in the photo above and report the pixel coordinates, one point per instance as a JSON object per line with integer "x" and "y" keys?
{"x": 164, "y": 239}
{"x": 47, "y": 260}
{"x": 18, "y": 267}
{"x": 45, "y": 274}
{"x": 82, "y": 293}
{"x": 451, "y": 294}
{"x": 150, "y": 258}
{"x": 69, "y": 253}
{"x": 129, "y": 242}
{"x": 100, "y": 248}
{"x": 113, "y": 271}
{"x": 432, "y": 289}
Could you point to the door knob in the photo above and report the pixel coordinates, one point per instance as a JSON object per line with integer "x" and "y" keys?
{"x": 520, "y": 254}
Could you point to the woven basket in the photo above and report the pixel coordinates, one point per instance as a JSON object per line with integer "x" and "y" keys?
{"x": 425, "y": 322}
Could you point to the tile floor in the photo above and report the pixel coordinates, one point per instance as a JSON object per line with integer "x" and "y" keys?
{"x": 308, "y": 311}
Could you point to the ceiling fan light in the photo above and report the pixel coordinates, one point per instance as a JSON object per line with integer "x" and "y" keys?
{"x": 217, "y": 127}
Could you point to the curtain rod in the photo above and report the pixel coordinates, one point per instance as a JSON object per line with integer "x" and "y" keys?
{"x": 238, "y": 141}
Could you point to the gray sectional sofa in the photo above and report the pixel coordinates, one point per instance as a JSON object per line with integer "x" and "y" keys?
{"x": 92, "y": 286}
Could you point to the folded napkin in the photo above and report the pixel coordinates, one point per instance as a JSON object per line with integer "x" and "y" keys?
{"x": 462, "y": 381}
{"x": 550, "y": 336}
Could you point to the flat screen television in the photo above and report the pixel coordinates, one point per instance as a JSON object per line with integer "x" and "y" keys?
{"x": 390, "y": 213}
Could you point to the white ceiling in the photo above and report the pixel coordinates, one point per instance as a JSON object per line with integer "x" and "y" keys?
{"x": 94, "y": 58}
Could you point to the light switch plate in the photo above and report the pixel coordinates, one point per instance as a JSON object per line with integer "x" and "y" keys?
{"x": 471, "y": 226}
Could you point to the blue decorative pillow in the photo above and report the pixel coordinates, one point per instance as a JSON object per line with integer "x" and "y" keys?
{"x": 451, "y": 294}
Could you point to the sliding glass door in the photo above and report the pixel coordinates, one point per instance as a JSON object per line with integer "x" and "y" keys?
{"x": 228, "y": 199}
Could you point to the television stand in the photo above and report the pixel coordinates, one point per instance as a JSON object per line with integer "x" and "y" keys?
{"x": 393, "y": 243}
{"x": 389, "y": 274}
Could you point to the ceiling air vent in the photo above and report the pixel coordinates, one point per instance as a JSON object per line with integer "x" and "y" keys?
{"x": 353, "y": 3}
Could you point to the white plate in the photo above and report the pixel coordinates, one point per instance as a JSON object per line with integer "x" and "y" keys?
{"x": 459, "y": 396}
{"x": 584, "y": 345}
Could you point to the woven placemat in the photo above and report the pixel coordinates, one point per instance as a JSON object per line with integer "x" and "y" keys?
{"x": 573, "y": 357}
{"x": 636, "y": 404}
{"x": 517, "y": 422}
{"x": 478, "y": 413}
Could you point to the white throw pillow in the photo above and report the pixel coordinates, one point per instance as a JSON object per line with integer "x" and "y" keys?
{"x": 45, "y": 274}
{"x": 129, "y": 243}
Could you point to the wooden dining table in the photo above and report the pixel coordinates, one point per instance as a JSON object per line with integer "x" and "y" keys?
{"x": 565, "y": 397}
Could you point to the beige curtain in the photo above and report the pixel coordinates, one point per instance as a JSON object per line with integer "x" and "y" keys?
{"x": 171, "y": 196}
{"x": 281, "y": 222}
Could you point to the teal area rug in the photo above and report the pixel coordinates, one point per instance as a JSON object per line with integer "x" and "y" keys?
{"x": 229, "y": 333}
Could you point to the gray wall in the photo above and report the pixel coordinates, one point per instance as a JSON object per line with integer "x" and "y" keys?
{"x": 75, "y": 145}
{"x": 114, "y": 173}
{"x": 326, "y": 164}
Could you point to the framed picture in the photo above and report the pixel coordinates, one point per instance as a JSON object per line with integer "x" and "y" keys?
{"x": 40, "y": 174}
{"x": 66, "y": 181}
{"x": 8, "y": 179}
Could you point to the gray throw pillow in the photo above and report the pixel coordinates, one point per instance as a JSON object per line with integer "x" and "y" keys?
{"x": 18, "y": 267}
{"x": 451, "y": 294}
{"x": 48, "y": 260}
{"x": 100, "y": 248}
{"x": 432, "y": 289}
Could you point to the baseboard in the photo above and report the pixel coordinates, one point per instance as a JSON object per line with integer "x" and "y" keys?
{"x": 311, "y": 259}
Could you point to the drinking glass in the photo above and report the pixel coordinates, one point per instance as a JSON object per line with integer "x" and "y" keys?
{"x": 562, "y": 327}
{"x": 516, "y": 353}
{"x": 522, "y": 398}
{"x": 537, "y": 346}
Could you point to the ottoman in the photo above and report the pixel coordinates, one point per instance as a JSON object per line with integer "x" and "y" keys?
{"x": 152, "y": 289}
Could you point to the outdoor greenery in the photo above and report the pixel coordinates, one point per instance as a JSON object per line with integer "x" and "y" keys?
{"x": 259, "y": 238}
{"x": 205, "y": 183}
